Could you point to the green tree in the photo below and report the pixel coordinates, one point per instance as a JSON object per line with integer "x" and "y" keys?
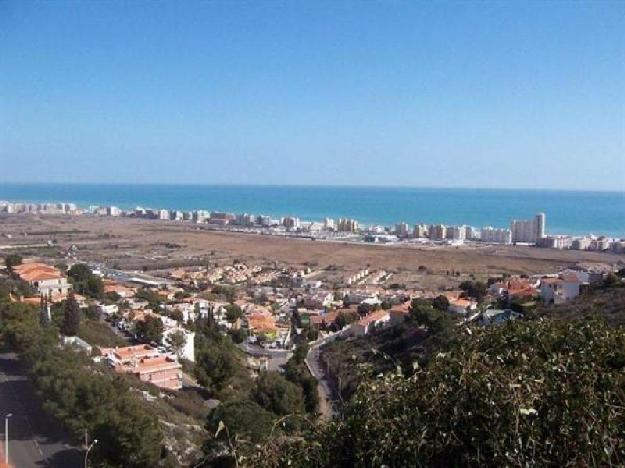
{"x": 177, "y": 340}
{"x": 233, "y": 313}
{"x": 12, "y": 261}
{"x": 128, "y": 437}
{"x": 150, "y": 329}
{"x": 79, "y": 272}
{"x": 226, "y": 292}
{"x": 220, "y": 364}
{"x": 238, "y": 335}
{"x": 474, "y": 289}
{"x": 71, "y": 316}
{"x": 441, "y": 303}
{"x": 176, "y": 315}
{"x": 276, "y": 394}
{"x": 440, "y": 325}
{"x": 85, "y": 282}
{"x": 152, "y": 297}
{"x": 241, "y": 424}
{"x": 93, "y": 312}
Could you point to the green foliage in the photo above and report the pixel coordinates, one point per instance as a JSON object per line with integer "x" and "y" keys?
{"x": 276, "y": 394}
{"x": 296, "y": 371}
{"x": 177, "y": 340}
{"x": 525, "y": 394}
{"x": 12, "y": 260}
{"x": 17, "y": 287}
{"x": 150, "y": 329}
{"x": 93, "y": 312}
{"x": 349, "y": 361}
{"x": 441, "y": 324}
{"x": 441, "y": 303}
{"x": 220, "y": 365}
{"x": 85, "y": 282}
{"x": 343, "y": 319}
{"x": 113, "y": 296}
{"x": 244, "y": 418}
{"x": 21, "y": 329}
{"x": 238, "y": 335}
{"x": 152, "y": 297}
{"x": 82, "y": 396}
{"x": 233, "y": 313}
{"x": 178, "y": 295}
{"x": 99, "y": 403}
{"x": 612, "y": 280}
{"x": 228, "y": 293}
{"x": 71, "y": 316}
{"x": 99, "y": 333}
{"x": 474, "y": 289}
{"x": 176, "y": 315}
{"x": 235, "y": 424}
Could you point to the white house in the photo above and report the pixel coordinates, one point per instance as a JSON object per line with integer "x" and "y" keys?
{"x": 560, "y": 290}
{"x": 366, "y": 324}
{"x": 461, "y": 306}
{"x": 45, "y": 278}
{"x": 498, "y": 316}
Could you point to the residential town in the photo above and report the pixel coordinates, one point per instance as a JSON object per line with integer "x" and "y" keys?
{"x": 269, "y": 312}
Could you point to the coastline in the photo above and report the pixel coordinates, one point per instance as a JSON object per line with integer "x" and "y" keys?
{"x": 574, "y": 213}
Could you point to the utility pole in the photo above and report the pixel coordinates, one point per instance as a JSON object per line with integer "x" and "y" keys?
{"x": 6, "y": 438}
{"x": 88, "y": 449}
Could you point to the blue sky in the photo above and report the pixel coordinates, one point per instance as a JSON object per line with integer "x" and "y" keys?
{"x": 457, "y": 94}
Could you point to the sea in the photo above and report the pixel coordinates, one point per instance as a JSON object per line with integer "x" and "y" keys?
{"x": 567, "y": 212}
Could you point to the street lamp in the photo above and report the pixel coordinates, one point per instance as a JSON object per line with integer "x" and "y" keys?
{"x": 6, "y": 438}
{"x": 88, "y": 450}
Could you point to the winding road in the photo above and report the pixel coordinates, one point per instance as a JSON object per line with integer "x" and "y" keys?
{"x": 326, "y": 396}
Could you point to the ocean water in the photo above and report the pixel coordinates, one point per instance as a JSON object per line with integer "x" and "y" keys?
{"x": 568, "y": 212}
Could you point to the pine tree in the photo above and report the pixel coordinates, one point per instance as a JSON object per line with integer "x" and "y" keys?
{"x": 44, "y": 312}
{"x": 71, "y": 317}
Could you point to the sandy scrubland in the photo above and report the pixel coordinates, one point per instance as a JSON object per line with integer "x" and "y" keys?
{"x": 130, "y": 241}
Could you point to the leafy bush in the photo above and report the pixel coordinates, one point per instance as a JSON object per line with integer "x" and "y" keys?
{"x": 85, "y": 282}
{"x": 524, "y": 394}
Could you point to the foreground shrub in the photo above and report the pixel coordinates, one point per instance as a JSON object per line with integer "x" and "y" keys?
{"x": 529, "y": 393}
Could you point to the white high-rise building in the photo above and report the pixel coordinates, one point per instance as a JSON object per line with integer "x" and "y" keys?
{"x": 528, "y": 230}
{"x": 401, "y": 229}
{"x": 496, "y": 236}
{"x": 437, "y": 231}
{"x": 347, "y": 225}
{"x": 456, "y": 232}
{"x": 113, "y": 211}
{"x": 291, "y": 222}
{"x": 420, "y": 231}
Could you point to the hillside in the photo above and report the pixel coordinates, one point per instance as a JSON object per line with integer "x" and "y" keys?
{"x": 532, "y": 393}
{"x": 607, "y": 303}
{"x": 349, "y": 360}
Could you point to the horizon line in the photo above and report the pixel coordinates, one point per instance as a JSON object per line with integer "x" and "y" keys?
{"x": 363, "y": 186}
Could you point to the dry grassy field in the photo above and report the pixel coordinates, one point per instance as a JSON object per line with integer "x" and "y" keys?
{"x": 131, "y": 242}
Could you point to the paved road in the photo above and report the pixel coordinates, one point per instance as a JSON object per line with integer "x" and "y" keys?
{"x": 326, "y": 396}
{"x": 35, "y": 440}
{"x": 277, "y": 357}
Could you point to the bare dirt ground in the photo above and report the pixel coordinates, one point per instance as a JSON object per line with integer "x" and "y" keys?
{"x": 135, "y": 243}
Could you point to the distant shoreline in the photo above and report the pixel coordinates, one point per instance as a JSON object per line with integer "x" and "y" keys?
{"x": 317, "y": 186}
{"x": 575, "y": 213}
